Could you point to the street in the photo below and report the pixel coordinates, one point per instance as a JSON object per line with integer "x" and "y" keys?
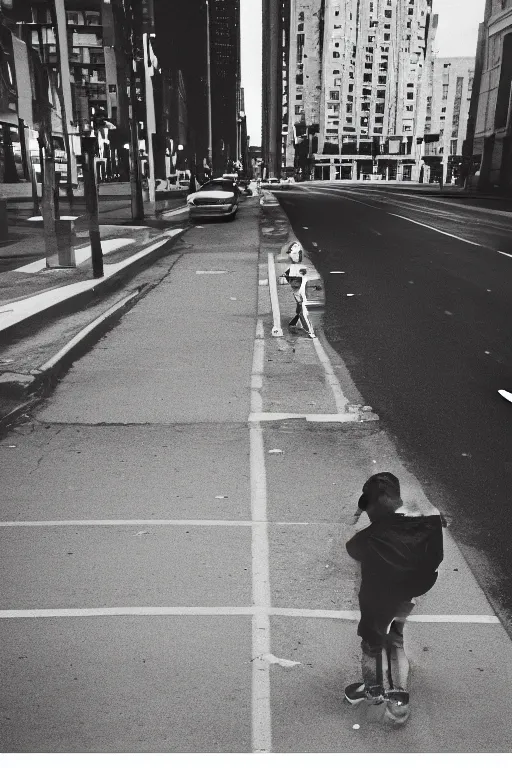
{"x": 422, "y": 321}
{"x": 174, "y": 519}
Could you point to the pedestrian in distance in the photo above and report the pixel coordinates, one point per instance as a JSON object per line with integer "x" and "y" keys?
{"x": 399, "y": 552}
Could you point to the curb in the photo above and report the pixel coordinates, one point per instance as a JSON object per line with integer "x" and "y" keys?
{"x": 79, "y": 301}
{"x": 30, "y": 389}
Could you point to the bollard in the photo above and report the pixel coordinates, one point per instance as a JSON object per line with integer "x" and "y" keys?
{"x": 65, "y": 231}
{"x": 4, "y": 225}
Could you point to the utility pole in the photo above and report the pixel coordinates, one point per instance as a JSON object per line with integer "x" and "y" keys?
{"x": 150, "y": 115}
{"x": 90, "y": 150}
{"x": 133, "y": 37}
{"x": 209, "y": 87}
{"x": 58, "y": 17}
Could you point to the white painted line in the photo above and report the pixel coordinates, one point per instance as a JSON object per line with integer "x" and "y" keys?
{"x": 434, "y": 229}
{"x": 49, "y": 613}
{"x": 336, "y": 272}
{"x": 86, "y": 331}
{"x": 331, "y": 378}
{"x": 272, "y": 284}
{"x": 262, "y": 630}
{"x": 211, "y": 271}
{"x": 334, "y": 417}
{"x": 504, "y": 253}
{"x": 261, "y": 723}
{"x": 505, "y": 394}
{"x": 138, "y": 523}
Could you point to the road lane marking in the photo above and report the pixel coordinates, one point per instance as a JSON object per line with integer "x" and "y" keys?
{"x": 254, "y": 611}
{"x": 311, "y": 417}
{"x": 331, "y": 378}
{"x": 427, "y": 226}
{"x": 503, "y": 253}
{"x": 274, "y": 300}
{"x": 261, "y": 726}
{"x": 139, "y": 523}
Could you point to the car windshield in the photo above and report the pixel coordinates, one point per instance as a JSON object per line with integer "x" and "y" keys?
{"x": 217, "y": 186}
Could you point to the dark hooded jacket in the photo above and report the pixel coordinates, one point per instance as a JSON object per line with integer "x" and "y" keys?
{"x": 399, "y": 553}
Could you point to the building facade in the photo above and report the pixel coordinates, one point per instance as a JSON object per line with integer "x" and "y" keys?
{"x": 355, "y": 73}
{"x": 489, "y": 142}
{"x": 448, "y": 97}
{"x": 225, "y": 83}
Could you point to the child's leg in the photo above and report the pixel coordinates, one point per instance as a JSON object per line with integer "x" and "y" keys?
{"x": 398, "y": 663}
{"x": 304, "y": 317}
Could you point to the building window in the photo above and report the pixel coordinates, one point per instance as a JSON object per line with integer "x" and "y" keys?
{"x": 445, "y": 92}
{"x": 350, "y": 98}
{"x": 298, "y": 97}
{"x": 337, "y": 12}
{"x": 453, "y": 147}
{"x": 379, "y": 119}
{"x": 301, "y": 16}
{"x": 406, "y": 128}
{"x": 299, "y": 109}
{"x": 334, "y": 95}
{"x": 335, "y": 55}
{"x": 379, "y": 109}
{"x": 336, "y": 72}
{"x": 300, "y": 27}
{"x": 349, "y": 109}
{"x": 377, "y": 130}
{"x": 388, "y": 14}
{"x": 382, "y": 79}
{"x": 409, "y": 108}
{"x": 299, "y": 79}
{"x": 410, "y": 95}
{"x": 337, "y": 81}
{"x": 381, "y": 94}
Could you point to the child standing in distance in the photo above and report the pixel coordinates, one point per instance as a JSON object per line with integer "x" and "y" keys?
{"x": 400, "y": 552}
{"x": 296, "y": 277}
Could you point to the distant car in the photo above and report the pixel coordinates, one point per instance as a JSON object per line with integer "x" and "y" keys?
{"x": 217, "y": 199}
{"x": 271, "y": 182}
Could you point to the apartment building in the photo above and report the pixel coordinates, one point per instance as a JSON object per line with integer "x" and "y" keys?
{"x": 355, "y": 72}
{"x": 489, "y": 141}
{"x": 448, "y": 99}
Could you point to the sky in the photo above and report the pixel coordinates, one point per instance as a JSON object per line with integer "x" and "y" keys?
{"x": 456, "y": 36}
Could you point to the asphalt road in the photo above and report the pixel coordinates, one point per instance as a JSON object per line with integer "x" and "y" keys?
{"x": 422, "y": 320}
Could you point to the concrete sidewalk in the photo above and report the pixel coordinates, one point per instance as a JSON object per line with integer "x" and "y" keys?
{"x": 172, "y": 538}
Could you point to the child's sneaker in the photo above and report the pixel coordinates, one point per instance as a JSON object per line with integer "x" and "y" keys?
{"x": 355, "y": 693}
{"x": 398, "y": 709}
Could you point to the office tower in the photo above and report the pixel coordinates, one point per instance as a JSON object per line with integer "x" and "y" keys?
{"x": 355, "y": 73}
{"x": 489, "y": 141}
{"x": 225, "y": 82}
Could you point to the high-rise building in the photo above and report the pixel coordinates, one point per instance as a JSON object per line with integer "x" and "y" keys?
{"x": 354, "y": 77}
{"x": 489, "y": 141}
{"x": 448, "y": 96}
{"x": 225, "y": 82}
{"x": 275, "y": 52}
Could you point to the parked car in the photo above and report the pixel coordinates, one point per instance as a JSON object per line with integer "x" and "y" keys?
{"x": 270, "y": 182}
{"x": 217, "y": 198}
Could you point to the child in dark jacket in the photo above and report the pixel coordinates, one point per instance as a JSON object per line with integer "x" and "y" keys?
{"x": 399, "y": 553}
